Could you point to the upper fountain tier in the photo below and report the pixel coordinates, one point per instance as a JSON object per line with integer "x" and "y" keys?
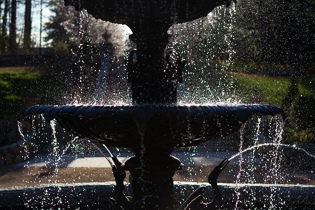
{"x": 126, "y": 11}
{"x": 153, "y": 81}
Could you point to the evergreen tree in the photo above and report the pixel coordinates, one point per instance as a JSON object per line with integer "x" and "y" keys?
{"x": 56, "y": 32}
{"x": 275, "y": 31}
{"x": 72, "y": 28}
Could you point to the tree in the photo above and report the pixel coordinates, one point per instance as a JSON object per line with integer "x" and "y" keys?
{"x": 28, "y": 25}
{"x": 75, "y": 28}
{"x": 41, "y": 25}
{"x": 276, "y": 31}
{"x": 1, "y": 1}
{"x": 12, "y": 37}
{"x": 4, "y": 37}
{"x": 56, "y": 33}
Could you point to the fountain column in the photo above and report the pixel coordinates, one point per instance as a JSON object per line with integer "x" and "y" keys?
{"x": 149, "y": 77}
{"x": 152, "y": 180}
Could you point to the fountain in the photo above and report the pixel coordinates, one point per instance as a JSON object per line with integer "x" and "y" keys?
{"x": 154, "y": 125}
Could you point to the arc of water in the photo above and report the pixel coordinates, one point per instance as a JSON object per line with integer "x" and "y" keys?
{"x": 272, "y": 144}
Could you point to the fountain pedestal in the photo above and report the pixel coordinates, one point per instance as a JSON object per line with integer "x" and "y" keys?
{"x": 152, "y": 181}
{"x": 148, "y": 76}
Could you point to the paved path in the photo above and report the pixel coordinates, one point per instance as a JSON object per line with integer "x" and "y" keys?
{"x": 99, "y": 161}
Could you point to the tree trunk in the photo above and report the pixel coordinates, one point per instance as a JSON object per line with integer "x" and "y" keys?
{"x": 3, "y": 39}
{"x": 41, "y": 27}
{"x": 4, "y": 18}
{"x": 28, "y": 25}
{"x": 12, "y": 38}
{"x": 1, "y": 1}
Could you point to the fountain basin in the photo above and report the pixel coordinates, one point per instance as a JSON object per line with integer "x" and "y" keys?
{"x": 17, "y": 152}
{"x": 153, "y": 127}
{"x": 95, "y": 195}
{"x": 151, "y": 132}
{"x": 125, "y": 12}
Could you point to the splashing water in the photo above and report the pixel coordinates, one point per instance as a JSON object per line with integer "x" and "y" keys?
{"x": 19, "y": 124}
{"x": 58, "y": 158}
{"x": 240, "y": 170}
{"x": 272, "y": 145}
{"x": 110, "y": 154}
{"x": 247, "y": 174}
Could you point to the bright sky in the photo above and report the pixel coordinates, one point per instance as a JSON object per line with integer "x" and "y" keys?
{"x": 35, "y": 19}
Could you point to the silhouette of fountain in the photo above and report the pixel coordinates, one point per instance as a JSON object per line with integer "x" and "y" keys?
{"x": 154, "y": 126}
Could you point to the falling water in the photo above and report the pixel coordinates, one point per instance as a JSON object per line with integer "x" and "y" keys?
{"x": 246, "y": 174}
{"x": 240, "y": 171}
{"x": 19, "y": 124}
{"x": 141, "y": 129}
{"x": 110, "y": 155}
{"x": 230, "y": 35}
{"x": 57, "y": 159}
{"x": 198, "y": 44}
{"x": 272, "y": 145}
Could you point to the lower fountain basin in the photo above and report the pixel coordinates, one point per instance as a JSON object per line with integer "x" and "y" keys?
{"x": 153, "y": 127}
{"x": 96, "y": 195}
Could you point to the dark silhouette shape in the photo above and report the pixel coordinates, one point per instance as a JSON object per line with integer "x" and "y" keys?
{"x": 152, "y": 82}
{"x": 212, "y": 179}
{"x": 120, "y": 201}
{"x": 152, "y": 167}
{"x": 193, "y": 199}
{"x": 193, "y": 202}
{"x": 173, "y": 75}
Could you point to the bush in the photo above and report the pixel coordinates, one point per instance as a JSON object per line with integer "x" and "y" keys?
{"x": 303, "y": 113}
{"x": 292, "y": 136}
{"x": 61, "y": 48}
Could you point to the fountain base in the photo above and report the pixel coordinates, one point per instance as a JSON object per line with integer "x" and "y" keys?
{"x": 152, "y": 181}
{"x": 95, "y": 195}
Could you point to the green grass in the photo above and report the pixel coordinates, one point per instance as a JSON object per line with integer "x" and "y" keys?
{"x": 307, "y": 86}
{"x": 23, "y": 69}
{"x": 18, "y": 83}
{"x": 271, "y": 90}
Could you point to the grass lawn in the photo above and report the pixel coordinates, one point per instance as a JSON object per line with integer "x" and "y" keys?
{"x": 23, "y": 69}
{"x": 307, "y": 86}
{"x": 18, "y": 83}
{"x": 270, "y": 90}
